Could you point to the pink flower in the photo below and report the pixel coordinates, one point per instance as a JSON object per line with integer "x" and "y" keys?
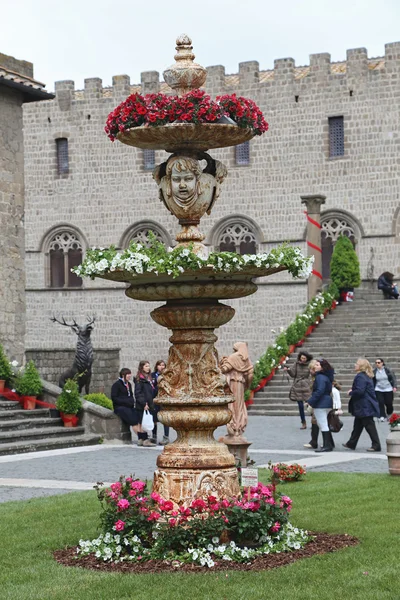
{"x": 225, "y": 503}
{"x": 172, "y": 522}
{"x": 116, "y": 487}
{"x": 156, "y": 497}
{"x": 286, "y": 500}
{"x": 119, "y": 525}
{"x": 199, "y": 503}
{"x": 270, "y": 501}
{"x": 138, "y": 485}
{"x": 123, "y": 504}
{"x": 166, "y": 505}
{"x": 132, "y": 493}
{"x": 153, "y": 516}
{"x": 276, "y": 527}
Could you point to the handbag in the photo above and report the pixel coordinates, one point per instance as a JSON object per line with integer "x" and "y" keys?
{"x": 147, "y": 421}
{"x": 334, "y": 423}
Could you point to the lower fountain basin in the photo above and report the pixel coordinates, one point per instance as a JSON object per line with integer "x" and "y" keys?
{"x": 201, "y": 284}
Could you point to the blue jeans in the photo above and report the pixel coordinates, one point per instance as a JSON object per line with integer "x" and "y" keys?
{"x": 301, "y": 410}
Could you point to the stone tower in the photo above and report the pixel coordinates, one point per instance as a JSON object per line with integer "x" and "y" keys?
{"x": 17, "y": 87}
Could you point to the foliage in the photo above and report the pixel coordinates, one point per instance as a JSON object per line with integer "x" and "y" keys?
{"x": 69, "y": 401}
{"x": 156, "y": 258}
{"x": 345, "y": 267}
{"x": 284, "y": 472}
{"x": 292, "y": 334}
{"x": 5, "y": 366}
{"x": 28, "y": 382}
{"x": 394, "y": 420}
{"x": 137, "y": 527}
{"x": 196, "y": 107}
{"x": 313, "y": 313}
{"x": 100, "y": 400}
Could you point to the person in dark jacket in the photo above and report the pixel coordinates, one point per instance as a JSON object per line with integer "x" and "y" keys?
{"x": 385, "y": 384}
{"x": 158, "y": 370}
{"x": 124, "y": 401}
{"x": 389, "y": 289}
{"x": 300, "y": 390}
{"x": 363, "y": 406}
{"x": 321, "y": 401}
{"x": 145, "y": 391}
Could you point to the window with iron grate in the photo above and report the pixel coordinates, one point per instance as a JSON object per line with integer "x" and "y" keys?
{"x": 242, "y": 153}
{"x": 149, "y": 160}
{"x": 336, "y": 136}
{"x": 62, "y": 156}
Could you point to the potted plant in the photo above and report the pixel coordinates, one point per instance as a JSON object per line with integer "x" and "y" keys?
{"x": 345, "y": 268}
{"x": 29, "y": 385}
{"x": 69, "y": 403}
{"x": 5, "y": 369}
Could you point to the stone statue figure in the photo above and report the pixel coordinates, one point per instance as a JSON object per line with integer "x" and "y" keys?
{"x": 189, "y": 191}
{"x": 239, "y": 373}
{"x": 82, "y": 365}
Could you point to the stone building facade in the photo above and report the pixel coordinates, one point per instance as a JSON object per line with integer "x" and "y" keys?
{"x": 334, "y": 130}
{"x": 17, "y": 87}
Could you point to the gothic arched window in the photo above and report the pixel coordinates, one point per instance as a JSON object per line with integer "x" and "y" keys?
{"x": 237, "y": 234}
{"x": 64, "y": 251}
{"x": 333, "y": 225}
{"x": 139, "y": 233}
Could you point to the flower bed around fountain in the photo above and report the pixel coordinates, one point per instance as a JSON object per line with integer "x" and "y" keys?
{"x": 138, "y": 528}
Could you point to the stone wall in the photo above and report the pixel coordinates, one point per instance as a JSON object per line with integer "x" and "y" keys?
{"x": 51, "y": 363}
{"x": 12, "y": 273}
{"x": 108, "y": 191}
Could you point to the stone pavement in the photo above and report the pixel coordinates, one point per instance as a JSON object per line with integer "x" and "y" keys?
{"x": 278, "y": 439}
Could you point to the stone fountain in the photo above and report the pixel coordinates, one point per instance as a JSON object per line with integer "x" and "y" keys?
{"x": 192, "y": 391}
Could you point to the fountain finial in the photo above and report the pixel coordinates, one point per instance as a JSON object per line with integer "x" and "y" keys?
{"x": 185, "y": 75}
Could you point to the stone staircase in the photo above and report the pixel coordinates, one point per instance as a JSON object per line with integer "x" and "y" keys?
{"x": 32, "y": 430}
{"x": 368, "y": 327}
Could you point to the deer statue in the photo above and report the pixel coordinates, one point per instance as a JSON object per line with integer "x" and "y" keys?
{"x": 82, "y": 365}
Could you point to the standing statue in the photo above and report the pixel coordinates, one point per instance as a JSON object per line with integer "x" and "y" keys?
{"x": 82, "y": 365}
{"x": 239, "y": 373}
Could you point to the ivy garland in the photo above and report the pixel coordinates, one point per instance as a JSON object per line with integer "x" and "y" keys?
{"x": 139, "y": 259}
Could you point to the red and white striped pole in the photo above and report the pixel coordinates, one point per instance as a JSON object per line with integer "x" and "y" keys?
{"x": 313, "y": 238}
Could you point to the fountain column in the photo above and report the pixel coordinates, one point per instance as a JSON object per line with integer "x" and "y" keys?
{"x": 313, "y": 237}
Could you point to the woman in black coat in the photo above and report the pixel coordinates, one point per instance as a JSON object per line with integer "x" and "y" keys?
{"x": 124, "y": 401}
{"x": 145, "y": 391}
{"x": 363, "y": 406}
{"x": 158, "y": 370}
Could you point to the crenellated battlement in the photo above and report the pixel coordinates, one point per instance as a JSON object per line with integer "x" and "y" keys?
{"x": 249, "y": 77}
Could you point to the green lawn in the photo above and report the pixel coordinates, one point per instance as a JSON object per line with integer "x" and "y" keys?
{"x": 366, "y": 506}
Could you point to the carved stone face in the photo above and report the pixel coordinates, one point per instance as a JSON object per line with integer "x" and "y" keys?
{"x": 183, "y": 184}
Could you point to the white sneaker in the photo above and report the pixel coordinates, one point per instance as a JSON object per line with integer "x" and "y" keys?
{"x": 382, "y": 419}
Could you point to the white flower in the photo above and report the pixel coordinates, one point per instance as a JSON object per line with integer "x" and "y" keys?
{"x": 14, "y": 363}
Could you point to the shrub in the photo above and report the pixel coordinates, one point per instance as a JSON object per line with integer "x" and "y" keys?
{"x": 28, "y": 382}
{"x": 100, "y": 400}
{"x": 345, "y": 267}
{"x": 292, "y": 334}
{"x": 5, "y": 367}
{"x": 69, "y": 401}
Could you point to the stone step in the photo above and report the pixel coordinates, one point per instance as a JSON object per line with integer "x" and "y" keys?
{"x": 8, "y": 404}
{"x": 8, "y": 437}
{"x": 39, "y": 413}
{"x": 23, "y": 424}
{"x": 49, "y": 444}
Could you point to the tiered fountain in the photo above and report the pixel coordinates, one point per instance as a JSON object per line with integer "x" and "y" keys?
{"x": 192, "y": 391}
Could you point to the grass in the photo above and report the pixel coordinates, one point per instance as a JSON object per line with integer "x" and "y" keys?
{"x": 363, "y": 505}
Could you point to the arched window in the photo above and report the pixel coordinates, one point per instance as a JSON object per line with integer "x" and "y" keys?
{"x": 237, "y": 233}
{"x": 64, "y": 251}
{"x": 139, "y": 233}
{"x": 334, "y": 224}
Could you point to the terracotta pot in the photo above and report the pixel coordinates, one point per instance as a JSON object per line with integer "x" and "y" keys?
{"x": 291, "y": 348}
{"x": 2, "y": 385}
{"x": 70, "y": 420}
{"x": 393, "y": 450}
{"x": 29, "y": 402}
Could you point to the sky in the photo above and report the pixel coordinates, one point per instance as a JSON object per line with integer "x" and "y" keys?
{"x": 76, "y": 39}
